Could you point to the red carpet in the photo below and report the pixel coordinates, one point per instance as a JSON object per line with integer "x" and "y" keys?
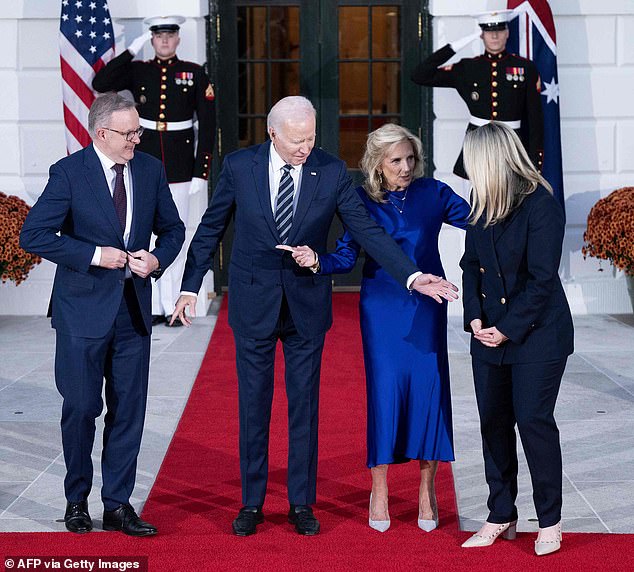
{"x": 197, "y": 492}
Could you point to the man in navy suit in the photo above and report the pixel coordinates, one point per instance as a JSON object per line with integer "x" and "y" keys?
{"x": 284, "y": 192}
{"x": 94, "y": 220}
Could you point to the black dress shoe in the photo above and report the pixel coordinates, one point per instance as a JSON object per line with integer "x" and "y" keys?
{"x": 177, "y": 322}
{"x": 158, "y": 319}
{"x": 127, "y": 521}
{"x": 246, "y": 521}
{"x": 304, "y": 520}
{"x": 77, "y": 518}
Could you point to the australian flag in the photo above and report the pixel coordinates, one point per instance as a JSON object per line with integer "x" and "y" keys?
{"x": 532, "y": 36}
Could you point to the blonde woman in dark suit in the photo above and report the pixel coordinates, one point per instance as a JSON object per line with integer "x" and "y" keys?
{"x": 522, "y": 332}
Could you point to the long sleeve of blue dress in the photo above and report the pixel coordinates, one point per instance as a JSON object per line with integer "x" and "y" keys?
{"x": 344, "y": 257}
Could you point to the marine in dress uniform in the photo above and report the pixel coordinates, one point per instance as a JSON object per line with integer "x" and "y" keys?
{"x": 496, "y": 86}
{"x": 171, "y": 94}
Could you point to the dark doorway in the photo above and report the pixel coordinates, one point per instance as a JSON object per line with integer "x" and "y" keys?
{"x": 351, "y": 59}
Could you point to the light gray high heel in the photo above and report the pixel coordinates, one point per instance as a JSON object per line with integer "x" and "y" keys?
{"x": 380, "y": 525}
{"x": 508, "y": 531}
{"x": 543, "y": 547}
{"x": 428, "y": 525}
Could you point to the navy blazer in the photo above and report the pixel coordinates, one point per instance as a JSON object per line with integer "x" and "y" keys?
{"x": 510, "y": 280}
{"x": 259, "y": 274}
{"x": 77, "y": 203}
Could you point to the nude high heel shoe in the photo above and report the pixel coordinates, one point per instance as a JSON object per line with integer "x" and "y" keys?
{"x": 380, "y": 525}
{"x": 508, "y": 531}
{"x": 543, "y": 547}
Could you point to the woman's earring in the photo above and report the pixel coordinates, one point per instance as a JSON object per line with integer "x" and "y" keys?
{"x": 380, "y": 178}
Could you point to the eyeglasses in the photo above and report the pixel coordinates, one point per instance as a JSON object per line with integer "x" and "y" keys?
{"x": 129, "y": 135}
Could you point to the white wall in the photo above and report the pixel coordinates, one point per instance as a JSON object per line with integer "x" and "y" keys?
{"x": 31, "y": 123}
{"x": 596, "y": 74}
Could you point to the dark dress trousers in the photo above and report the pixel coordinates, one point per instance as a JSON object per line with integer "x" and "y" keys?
{"x": 102, "y": 320}
{"x": 495, "y": 87}
{"x": 511, "y": 281}
{"x": 271, "y": 298}
{"x": 168, "y": 92}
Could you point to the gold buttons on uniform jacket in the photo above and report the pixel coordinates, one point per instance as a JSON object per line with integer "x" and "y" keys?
{"x": 495, "y": 94}
{"x": 494, "y": 73}
{"x": 163, "y": 78}
{"x": 495, "y": 114}
{"x": 481, "y": 270}
{"x": 162, "y": 106}
{"x": 484, "y": 295}
{"x": 161, "y": 115}
{"x": 163, "y": 86}
{"x": 495, "y": 104}
{"x": 502, "y": 300}
{"x": 494, "y": 64}
{"x": 494, "y": 84}
{"x": 163, "y": 96}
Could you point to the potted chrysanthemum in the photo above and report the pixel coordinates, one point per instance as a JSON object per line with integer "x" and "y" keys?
{"x": 610, "y": 233}
{"x": 15, "y": 263}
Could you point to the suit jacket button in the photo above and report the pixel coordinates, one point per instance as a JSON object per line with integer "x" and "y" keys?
{"x": 481, "y": 270}
{"x": 502, "y": 300}
{"x": 484, "y": 295}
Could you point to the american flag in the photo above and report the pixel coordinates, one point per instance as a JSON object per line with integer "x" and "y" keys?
{"x": 86, "y": 44}
{"x": 532, "y": 36}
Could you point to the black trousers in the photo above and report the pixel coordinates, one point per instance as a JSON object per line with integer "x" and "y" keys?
{"x": 522, "y": 394}
{"x": 255, "y": 360}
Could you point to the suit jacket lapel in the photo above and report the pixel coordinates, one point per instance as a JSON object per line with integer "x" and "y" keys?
{"x": 99, "y": 186}
{"x": 310, "y": 179}
{"x": 137, "y": 202}
{"x": 504, "y": 225}
{"x": 260, "y": 171}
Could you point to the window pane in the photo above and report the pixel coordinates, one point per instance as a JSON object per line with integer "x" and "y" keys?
{"x": 251, "y": 88}
{"x": 386, "y": 87}
{"x": 353, "y": 32}
{"x": 284, "y": 80}
{"x": 353, "y": 132}
{"x": 378, "y": 121}
{"x": 386, "y": 32}
{"x": 284, "y": 30}
{"x": 353, "y": 88}
{"x": 251, "y": 32}
{"x": 252, "y": 130}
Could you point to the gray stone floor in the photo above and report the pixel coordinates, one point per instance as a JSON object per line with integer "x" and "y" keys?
{"x": 595, "y": 412}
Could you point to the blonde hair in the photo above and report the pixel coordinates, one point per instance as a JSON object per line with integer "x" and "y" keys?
{"x": 377, "y": 146}
{"x": 500, "y": 171}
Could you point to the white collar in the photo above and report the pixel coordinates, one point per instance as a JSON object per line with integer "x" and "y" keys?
{"x": 277, "y": 162}
{"x": 106, "y": 161}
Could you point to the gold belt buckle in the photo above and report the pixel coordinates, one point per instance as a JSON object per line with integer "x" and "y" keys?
{"x": 161, "y": 125}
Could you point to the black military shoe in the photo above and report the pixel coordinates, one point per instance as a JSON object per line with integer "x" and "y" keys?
{"x": 124, "y": 518}
{"x": 77, "y": 518}
{"x": 304, "y": 520}
{"x": 246, "y": 521}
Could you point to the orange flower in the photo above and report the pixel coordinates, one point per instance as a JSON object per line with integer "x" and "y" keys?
{"x": 610, "y": 231}
{"x": 15, "y": 263}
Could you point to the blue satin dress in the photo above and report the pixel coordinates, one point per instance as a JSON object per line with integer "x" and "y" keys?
{"x": 405, "y": 335}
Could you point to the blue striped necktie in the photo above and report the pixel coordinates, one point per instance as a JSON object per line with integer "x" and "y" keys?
{"x": 284, "y": 204}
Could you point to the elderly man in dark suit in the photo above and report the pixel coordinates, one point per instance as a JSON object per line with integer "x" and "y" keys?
{"x": 94, "y": 220}
{"x": 284, "y": 192}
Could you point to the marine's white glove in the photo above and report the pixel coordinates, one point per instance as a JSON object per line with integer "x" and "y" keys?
{"x": 135, "y": 47}
{"x": 197, "y": 185}
{"x": 464, "y": 42}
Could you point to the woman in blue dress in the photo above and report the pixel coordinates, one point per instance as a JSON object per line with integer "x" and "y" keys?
{"x": 404, "y": 334}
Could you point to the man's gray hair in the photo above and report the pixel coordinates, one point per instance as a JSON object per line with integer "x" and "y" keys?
{"x": 102, "y": 109}
{"x": 289, "y": 107}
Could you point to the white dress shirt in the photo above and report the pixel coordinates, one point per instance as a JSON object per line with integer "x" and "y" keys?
{"x": 107, "y": 165}
{"x": 275, "y": 175}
